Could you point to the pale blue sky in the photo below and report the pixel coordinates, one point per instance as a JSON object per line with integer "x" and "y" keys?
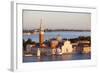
{"x": 56, "y": 20}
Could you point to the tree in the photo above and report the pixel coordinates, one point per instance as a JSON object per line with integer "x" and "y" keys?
{"x": 29, "y": 41}
{"x": 24, "y": 45}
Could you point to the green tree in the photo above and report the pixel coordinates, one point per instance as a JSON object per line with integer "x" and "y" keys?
{"x": 29, "y": 41}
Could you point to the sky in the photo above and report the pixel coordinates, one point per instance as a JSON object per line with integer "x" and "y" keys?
{"x": 56, "y": 20}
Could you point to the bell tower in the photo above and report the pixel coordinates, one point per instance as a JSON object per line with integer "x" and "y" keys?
{"x": 41, "y": 33}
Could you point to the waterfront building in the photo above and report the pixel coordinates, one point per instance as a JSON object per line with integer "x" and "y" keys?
{"x": 28, "y": 48}
{"x": 58, "y": 51}
{"x": 53, "y": 51}
{"x": 55, "y": 47}
{"x": 67, "y": 47}
{"x": 83, "y": 47}
{"x": 38, "y": 52}
{"x": 54, "y": 44}
{"x": 63, "y": 49}
{"x": 79, "y": 48}
{"x": 86, "y": 49}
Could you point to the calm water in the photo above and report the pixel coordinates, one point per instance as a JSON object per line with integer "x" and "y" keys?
{"x": 63, "y": 34}
{"x": 57, "y": 58}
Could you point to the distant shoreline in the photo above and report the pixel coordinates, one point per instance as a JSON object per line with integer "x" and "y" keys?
{"x": 50, "y": 30}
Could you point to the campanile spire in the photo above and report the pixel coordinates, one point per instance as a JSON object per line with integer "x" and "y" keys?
{"x": 41, "y": 33}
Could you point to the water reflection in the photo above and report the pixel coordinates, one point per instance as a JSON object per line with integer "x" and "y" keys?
{"x": 38, "y": 59}
{"x": 56, "y": 57}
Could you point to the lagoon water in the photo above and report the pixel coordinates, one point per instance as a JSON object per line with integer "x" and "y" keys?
{"x": 27, "y": 59}
{"x": 63, "y": 34}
